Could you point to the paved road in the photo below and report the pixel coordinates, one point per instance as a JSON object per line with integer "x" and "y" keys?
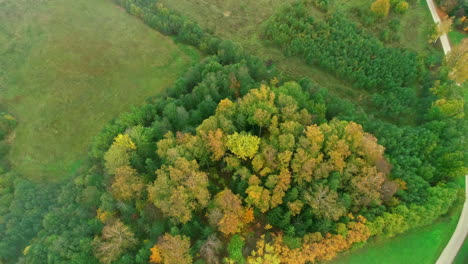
{"x": 451, "y": 250}
{"x": 435, "y": 16}
{"x": 460, "y": 233}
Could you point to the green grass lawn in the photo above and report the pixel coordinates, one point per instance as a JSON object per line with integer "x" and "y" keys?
{"x": 67, "y": 68}
{"x": 456, "y": 37}
{"x": 462, "y": 256}
{"x": 413, "y": 24}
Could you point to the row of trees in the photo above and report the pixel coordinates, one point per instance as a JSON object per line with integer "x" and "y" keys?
{"x": 23, "y": 203}
{"x": 339, "y": 46}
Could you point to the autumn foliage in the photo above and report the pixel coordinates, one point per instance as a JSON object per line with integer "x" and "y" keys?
{"x": 324, "y": 249}
{"x": 180, "y": 189}
{"x": 116, "y": 238}
{"x": 225, "y": 169}
{"x": 233, "y": 216}
{"x": 263, "y": 155}
{"x": 381, "y": 7}
{"x": 127, "y": 184}
{"x": 171, "y": 250}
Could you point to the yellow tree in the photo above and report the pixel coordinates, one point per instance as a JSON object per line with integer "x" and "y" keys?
{"x": 216, "y": 143}
{"x": 451, "y": 108}
{"x": 155, "y": 256}
{"x": 284, "y": 181}
{"x": 381, "y": 7}
{"x": 264, "y": 253}
{"x": 124, "y": 141}
{"x": 457, "y": 61}
{"x": 445, "y": 26}
{"x": 127, "y": 184}
{"x": 174, "y": 249}
{"x": 258, "y": 195}
{"x": 243, "y": 145}
{"x": 402, "y": 7}
{"x": 118, "y": 154}
{"x": 440, "y": 29}
{"x": 232, "y": 212}
{"x": 180, "y": 189}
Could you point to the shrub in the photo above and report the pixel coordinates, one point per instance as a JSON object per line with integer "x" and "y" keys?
{"x": 402, "y": 7}
{"x": 381, "y": 7}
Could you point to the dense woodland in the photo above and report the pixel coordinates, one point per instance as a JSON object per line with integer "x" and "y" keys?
{"x": 337, "y": 45}
{"x": 238, "y": 163}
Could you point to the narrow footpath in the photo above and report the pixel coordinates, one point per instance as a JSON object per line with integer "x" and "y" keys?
{"x": 459, "y": 235}
{"x": 443, "y": 39}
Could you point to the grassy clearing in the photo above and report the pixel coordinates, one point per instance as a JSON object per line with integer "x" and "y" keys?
{"x": 67, "y": 68}
{"x": 413, "y": 24}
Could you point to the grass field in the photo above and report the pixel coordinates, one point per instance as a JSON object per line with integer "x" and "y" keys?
{"x": 67, "y": 68}
{"x": 462, "y": 256}
{"x": 456, "y": 37}
{"x": 413, "y": 24}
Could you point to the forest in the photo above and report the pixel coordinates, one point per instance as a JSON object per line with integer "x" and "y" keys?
{"x": 239, "y": 163}
{"x": 337, "y": 45}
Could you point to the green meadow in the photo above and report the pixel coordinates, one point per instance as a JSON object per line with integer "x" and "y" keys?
{"x": 68, "y": 68}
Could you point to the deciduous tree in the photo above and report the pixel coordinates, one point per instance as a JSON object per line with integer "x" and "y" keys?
{"x": 243, "y": 145}
{"x": 127, "y": 184}
{"x": 174, "y": 249}
{"x": 180, "y": 189}
{"x": 115, "y": 240}
{"x": 232, "y": 212}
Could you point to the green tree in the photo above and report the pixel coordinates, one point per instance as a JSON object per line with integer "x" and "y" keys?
{"x": 234, "y": 249}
